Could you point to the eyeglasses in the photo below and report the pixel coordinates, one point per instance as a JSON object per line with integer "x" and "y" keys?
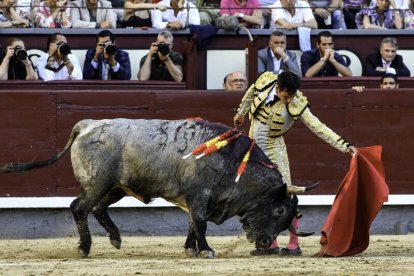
{"x": 238, "y": 80}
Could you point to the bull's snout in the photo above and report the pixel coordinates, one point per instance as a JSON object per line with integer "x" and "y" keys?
{"x": 263, "y": 243}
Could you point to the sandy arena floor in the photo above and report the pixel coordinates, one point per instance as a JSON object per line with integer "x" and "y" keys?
{"x": 386, "y": 255}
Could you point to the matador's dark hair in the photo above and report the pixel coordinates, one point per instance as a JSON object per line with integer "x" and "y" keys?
{"x": 289, "y": 82}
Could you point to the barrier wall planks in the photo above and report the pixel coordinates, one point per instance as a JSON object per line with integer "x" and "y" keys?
{"x": 36, "y": 125}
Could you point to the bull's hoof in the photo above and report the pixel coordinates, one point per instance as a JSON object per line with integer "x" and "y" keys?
{"x": 115, "y": 243}
{"x": 82, "y": 252}
{"x": 191, "y": 252}
{"x": 265, "y": 251}
{"x": 207, "y": 254}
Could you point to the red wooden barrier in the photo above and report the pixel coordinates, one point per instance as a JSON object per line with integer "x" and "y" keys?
{"x": 36, "y": 124}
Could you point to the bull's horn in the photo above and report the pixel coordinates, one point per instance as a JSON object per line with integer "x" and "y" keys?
{"x": 297, "y": 189}
{"x": 293, "y": 230}
{"x": 308, "y": 188}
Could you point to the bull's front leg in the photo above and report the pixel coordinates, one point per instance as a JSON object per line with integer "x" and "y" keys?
{"x": 197, "y": 206}
{"x": 204, "y": 250}
{"x": 190, "y": 245}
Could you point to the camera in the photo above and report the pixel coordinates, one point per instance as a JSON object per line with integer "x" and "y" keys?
{"x": 163, "y": 48}
{"x": 19, "y": 53}
{"x": 63, "y": 48}
{"x": 110, "y": 48}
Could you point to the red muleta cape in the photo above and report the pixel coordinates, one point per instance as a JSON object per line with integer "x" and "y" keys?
{"x": 358, "y": 200}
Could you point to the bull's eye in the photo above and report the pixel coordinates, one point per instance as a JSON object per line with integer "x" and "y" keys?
{"x": 279, "y": 211}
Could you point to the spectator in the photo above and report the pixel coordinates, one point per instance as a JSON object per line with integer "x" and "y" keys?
{"x": 139, "y": 13}
{"x": 118, "y": 8}
{"x": 400, "y": 4}
{"x": 328, "y": 14}
{"x": 409, "y": 16}
{"x": 15, "y": 63}
{"x": 266, "y": 8}
{"x": 105, "y": 61}
{"x": 247, "y": 12}
{"x": 93, "y": 14}
{"x": 235, "y": 81}
{"x": 386, "y": 60}
{"x": 351, "y": 8}
{"x": 161, "y": 62}
{"x": 9, "y": 17}
{"x": 291, "y": 14}
{"x": 384, "y": 15}
{"x": 52, "y": 14}
{"x": 24, "y": 7}
{"x": 275, "y": 57}
{"x": 179, "y": 14}
{"x": 388, "y": 81}
{"x": 209, "y": 11}
{"x": 324, "y": 61}
{"x": 58, "y": 63}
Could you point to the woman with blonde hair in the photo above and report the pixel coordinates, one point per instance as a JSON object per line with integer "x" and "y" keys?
{"x": 385, "y": 15}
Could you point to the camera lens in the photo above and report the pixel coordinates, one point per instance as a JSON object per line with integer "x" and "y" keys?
{"x": 110, "y": 49}
{"x": 64, "y": 49}
{"x": 163, "y": 48}
{"x": 20, "y": 54}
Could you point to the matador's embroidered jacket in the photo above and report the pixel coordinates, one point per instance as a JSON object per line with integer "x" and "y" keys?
{"x": 280, "y": 117}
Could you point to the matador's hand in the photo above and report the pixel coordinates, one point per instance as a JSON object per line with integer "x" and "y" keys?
{"x": 238, "y": 121}
{"x": 352, "y": 150}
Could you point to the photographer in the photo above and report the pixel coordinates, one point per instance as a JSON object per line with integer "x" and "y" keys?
{"x": 161, "y": 62}
{"x": 15, "y": 64}
{"x": 58, "y": 63}
{"x": 106, "y": 62}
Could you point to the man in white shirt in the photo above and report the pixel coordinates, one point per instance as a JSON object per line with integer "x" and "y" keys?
{"x": 178, "y": 15}
{"x": 58, "y": 63}
{"x": 291, "y": 14}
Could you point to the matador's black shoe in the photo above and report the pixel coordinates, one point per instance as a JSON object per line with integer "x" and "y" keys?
{"x": 265, "y": 251}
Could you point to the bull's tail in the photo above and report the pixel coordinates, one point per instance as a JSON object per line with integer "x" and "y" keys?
{"x": 22, "y": 167}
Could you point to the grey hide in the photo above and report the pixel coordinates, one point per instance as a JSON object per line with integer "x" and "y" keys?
{"x": 143, "y": 158}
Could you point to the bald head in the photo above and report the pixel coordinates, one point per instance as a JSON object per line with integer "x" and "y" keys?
{"x": 235, "y": 81}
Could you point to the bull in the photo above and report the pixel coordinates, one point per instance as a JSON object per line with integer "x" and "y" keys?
{"x": 143, "y": 158}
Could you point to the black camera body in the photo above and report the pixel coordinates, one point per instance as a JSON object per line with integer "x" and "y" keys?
{"x": 109, "y": 48}
{"x": 63, "y": 48}
{"x": 163, "y": 48}
{"x": 19, "y": 53}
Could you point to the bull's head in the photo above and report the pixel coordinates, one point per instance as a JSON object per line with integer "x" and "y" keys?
{"x": 269, "y": 215}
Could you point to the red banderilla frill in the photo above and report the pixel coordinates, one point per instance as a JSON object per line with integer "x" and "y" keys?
{"x": 209, "y": 143}
{"x": 243, "y": 164}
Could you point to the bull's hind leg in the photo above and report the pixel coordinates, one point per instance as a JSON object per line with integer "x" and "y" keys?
{"x": 80, "y": 215}
{"x": 81, "y": 207}
{"x": 100, "y": 212}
